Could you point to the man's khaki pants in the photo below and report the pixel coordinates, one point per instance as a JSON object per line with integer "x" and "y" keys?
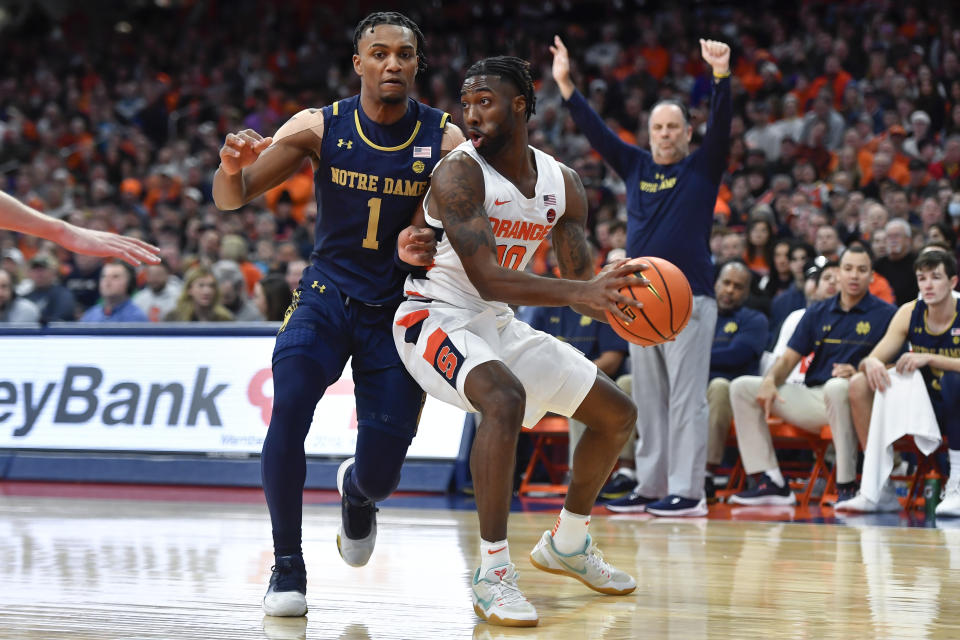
{"x": 808, "y": 408}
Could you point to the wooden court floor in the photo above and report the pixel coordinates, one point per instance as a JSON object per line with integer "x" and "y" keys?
{"x": 103, "y": 569}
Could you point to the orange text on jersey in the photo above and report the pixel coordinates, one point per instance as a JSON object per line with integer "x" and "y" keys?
{"x": 519, "y": 229}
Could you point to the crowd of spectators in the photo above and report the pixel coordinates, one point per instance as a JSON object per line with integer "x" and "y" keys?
{"x": 846, "y": 129}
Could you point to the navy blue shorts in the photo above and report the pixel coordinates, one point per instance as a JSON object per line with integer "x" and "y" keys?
{"x": 328, "y": 328}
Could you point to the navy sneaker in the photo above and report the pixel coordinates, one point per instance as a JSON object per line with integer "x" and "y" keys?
{"x": 633, "y": 503}
{"x": 676, "y": 506}
{"x": 622, "y": 483}
{"x": 287, "y": 594}
{"x": 767, "y": 492}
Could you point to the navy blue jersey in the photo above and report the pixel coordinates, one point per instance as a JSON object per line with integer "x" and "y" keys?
{"x": 738, "y": 343}
{"x": 922, "y": 340}
{"x": 838, "y": 336}
{"x": 368, "y": 184}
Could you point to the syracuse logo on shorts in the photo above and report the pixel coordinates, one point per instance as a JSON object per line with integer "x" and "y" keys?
{"x": 443, "y": 356}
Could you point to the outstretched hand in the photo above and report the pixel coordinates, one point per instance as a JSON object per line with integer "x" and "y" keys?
{"x": 240, "y": 150}
{"x": 561, "y": 67}
{"x": 108, "y": 245}
{"x": 717, "y": 55}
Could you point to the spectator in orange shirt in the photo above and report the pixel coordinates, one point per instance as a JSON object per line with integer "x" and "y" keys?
{"x": 879, "y": 174}
{"x": 234, "y": 248}
{"x": 298, "y": 187}
{"x": 658, "y": 58}
{"x": 835, "y": 78}
{"x": 759, "y": 252}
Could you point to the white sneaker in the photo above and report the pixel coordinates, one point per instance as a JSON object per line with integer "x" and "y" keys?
{"x": 950, "y": 504}
{"x": 498, "y": 600}
{"x": 287, "y": 594}
{"x": 859, "y": 503}
{"x": 355, "y": 551}
{"x": 587, "y": 566}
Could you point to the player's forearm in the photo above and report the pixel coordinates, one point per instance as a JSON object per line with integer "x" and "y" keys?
{"x": 16, "y": 216}
{"x": 780, "y": 370}
{"x": 945, "y": 363}
{"x": 566, "y": 87}
{"x": 602, "y": 138}
{"x": 716, "y": 140}
{"x": 229, "y": 191}
{"x": 520, "y": 288}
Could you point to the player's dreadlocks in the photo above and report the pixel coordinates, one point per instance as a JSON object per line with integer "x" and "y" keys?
{"x": 515, "y": 70}
{"x": 397, "y": 19}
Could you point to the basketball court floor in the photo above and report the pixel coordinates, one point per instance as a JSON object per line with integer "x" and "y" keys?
{"x": 99, "y": 562}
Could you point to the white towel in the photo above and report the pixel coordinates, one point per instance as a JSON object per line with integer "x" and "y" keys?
{"x": 903, "y": 409}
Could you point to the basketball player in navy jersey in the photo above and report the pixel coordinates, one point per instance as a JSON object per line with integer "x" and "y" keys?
{"x": 931, "y": 327}
{"x": 496, "y": 198}
{"x": 372, "y": 155}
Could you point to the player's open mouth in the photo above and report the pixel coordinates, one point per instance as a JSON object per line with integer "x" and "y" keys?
{"x": 475, "y": 137}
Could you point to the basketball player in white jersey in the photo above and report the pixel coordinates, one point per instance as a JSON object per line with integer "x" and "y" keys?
{"x": 495, "y": 199}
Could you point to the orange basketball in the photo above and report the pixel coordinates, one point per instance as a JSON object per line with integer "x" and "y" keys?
{"x": 667, "y": 303}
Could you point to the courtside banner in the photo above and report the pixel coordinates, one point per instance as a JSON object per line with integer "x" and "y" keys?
{"x": 196, "y": 394}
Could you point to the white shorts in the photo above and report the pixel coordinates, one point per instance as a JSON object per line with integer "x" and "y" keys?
{"x": 440, "y": 344}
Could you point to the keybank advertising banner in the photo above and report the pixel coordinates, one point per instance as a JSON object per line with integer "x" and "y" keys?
{"x": 172, "y": 394}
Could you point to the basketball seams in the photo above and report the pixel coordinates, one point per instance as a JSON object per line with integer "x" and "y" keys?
{"x": 629, "y": 289}
{"x": 667, "y": 273}
{"x": 666, "y": 290}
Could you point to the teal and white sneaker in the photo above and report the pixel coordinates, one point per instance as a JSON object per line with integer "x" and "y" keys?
{"x": 587, "y": 566}
{"x": 498, "y": 600}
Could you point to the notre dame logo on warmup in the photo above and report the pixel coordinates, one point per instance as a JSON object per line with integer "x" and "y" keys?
{"x": 863, "y": 328}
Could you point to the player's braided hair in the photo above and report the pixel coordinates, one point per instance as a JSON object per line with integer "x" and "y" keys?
{"x": 515, "y": 70}
{"x": 394, "y": 18}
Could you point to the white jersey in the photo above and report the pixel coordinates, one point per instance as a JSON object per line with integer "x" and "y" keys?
{"x": 519, "y": 225}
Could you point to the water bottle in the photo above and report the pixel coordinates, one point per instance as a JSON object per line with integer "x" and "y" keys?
{"x": 931, "y": 493}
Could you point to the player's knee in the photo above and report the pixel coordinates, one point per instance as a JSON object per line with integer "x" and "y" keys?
{"x": 378, "y": 483}
{"x": 628, "y": 421}
{"x": 504, "y": 405}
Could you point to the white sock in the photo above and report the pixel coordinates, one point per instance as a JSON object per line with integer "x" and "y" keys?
{"x": 570, "y": 532}
{"x": 776, "y": 476}
{"x": 493, "y": 554}
{"x": 954, "y": 456}
{"x": 628, "y": 472}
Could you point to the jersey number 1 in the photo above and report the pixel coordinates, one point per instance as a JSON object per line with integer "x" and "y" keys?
{"x": 370, "y": 241}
